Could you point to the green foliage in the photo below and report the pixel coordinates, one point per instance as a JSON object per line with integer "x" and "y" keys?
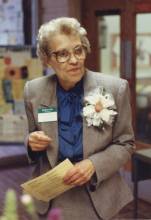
{"x": 10, "y": 208}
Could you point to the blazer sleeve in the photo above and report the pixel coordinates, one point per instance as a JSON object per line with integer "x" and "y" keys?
{"x": 32, "y": 156}
{"x": 110, "y": 160}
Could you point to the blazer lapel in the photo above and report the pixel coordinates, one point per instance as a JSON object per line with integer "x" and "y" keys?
{"x": 51, "y": 128}
{"x": 89, "y": 133}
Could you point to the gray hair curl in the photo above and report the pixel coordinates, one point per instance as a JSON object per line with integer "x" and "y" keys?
{"x": 62, "y": 25}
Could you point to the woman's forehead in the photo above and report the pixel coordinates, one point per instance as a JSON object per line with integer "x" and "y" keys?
{"x": 62, "y": 41}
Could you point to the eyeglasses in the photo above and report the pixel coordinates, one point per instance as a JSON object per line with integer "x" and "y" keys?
{"x": 63, "y": 56}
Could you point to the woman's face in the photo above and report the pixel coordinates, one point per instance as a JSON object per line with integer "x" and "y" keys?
{"x": 71, "y": 71}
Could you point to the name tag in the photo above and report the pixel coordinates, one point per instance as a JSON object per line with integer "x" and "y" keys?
{"x": 47, "y": 114}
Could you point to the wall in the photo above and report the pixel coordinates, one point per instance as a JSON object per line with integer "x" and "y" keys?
{"x": 144, "y": 190}
{"x": 50, "y": 9}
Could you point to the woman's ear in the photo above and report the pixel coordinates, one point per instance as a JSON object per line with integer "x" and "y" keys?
{"x": 46, "y": 62}
{"x": 48, "y": 65}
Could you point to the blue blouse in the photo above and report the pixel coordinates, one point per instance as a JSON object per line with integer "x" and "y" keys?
{"x": 70, "y": 123}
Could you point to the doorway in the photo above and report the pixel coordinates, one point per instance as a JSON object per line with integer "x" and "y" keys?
{"x": 120, "y": 37}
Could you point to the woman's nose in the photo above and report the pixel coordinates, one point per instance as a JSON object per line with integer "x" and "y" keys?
{"x": 73, "y": 58}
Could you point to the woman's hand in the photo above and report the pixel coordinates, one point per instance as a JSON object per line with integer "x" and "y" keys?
{"x": 38, "y": 141}
{"x": 80, "y": 174}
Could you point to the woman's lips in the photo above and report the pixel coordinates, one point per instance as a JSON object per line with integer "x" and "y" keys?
{"x": 74, "y": 69}
{"x": 75, "y": 72}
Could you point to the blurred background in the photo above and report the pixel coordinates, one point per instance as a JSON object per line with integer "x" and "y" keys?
{"x": 120, "y": 37}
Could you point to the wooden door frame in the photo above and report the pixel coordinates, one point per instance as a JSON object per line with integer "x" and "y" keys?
{"x": 89, "y": 20}
{"x": 128, "y": 10}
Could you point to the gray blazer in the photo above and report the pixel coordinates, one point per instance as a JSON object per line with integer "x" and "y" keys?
{"x": 108, "y": 149}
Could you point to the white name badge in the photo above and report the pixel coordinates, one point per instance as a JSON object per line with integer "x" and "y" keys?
{"x": 47, "y": 114}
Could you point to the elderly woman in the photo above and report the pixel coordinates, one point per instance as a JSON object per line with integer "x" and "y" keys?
{"x": 91, "y": 126}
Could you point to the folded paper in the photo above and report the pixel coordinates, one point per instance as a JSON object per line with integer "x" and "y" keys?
{"x": 50, "y": 184}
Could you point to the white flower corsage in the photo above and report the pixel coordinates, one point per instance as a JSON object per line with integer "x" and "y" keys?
{"x": 99, "y": 108}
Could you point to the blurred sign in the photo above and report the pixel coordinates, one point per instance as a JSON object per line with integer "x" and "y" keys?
{"x": 17, "y": 65}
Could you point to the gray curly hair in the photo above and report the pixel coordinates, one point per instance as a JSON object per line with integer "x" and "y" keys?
{"x": 62, "y": 25}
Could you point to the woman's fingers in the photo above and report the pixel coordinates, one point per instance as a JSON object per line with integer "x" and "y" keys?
{"x": 38, "y": 141}
{"x": 40, "y": 136}
{"x": 80, "y": 173}
{"x": 79, "y": 179}
{"x": 38, "y": 147}
{"x": 72, "y": 176}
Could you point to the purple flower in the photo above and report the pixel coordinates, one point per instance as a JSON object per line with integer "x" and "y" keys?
{"x": 55, "y": 214}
